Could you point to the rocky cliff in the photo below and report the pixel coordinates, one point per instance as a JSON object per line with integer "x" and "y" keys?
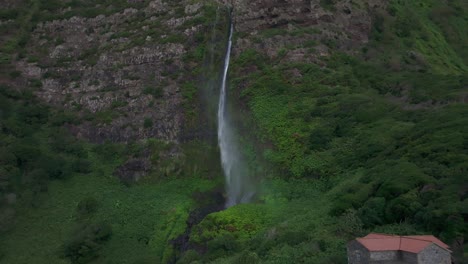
{"x": 122, "y": 71}
{"x": 307, "y": 28}
{"x": 132, "y": 70}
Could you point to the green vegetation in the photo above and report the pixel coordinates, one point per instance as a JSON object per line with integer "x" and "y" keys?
{"x": 376, "y": 140}
{"x": 328, "y": 4}
{"x": 156, "y": 92}
{"x": 60, "y": 200}
{"x": 54, "y": 9}
{"x": 148, "y": 123}
{"x": 83, "y": 212}
{"x": 370, "y": 141}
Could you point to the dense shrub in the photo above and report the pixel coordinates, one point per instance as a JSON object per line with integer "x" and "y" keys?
{"x": 86, "y": 241}
{"x": 147, "y": 123}
{"x": 227, "y": 243}
{"x": 189, "y": 257}
{"x": 328, "y": 4}
{"x": 156, "y": 92}
{"x": 246, "y": 257}
{"x": 7, "y": 14}
{"x": 87, "y": 206}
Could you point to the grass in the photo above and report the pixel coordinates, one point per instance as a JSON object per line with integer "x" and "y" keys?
{"x": 139, "y": 216}
{"x": 53, "y": 174}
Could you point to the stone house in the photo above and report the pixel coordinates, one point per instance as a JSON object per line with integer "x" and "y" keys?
{"x": 390, "y": 249}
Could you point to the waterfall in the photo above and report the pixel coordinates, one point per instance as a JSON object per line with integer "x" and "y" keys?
{"x": 239, "y": 187}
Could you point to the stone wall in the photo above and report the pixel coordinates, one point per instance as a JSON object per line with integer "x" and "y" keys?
{"x": 434, "y": 254}
{"x": 409, "y": 257}
{"x": 357, "y": 253}
{"x": 384, "y": 256}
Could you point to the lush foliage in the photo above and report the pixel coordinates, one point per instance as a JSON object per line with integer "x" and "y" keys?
{"x": 383, "y": 132}
{"x": 69, "y": 206}
{"x": 374, "y": 141}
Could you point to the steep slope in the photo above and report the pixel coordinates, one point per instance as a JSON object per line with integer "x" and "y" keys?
{"x": 96, "y": 96}
{"x": 116, "y": 65}
{"x": 359, "y": 112}
{"x": 352, "y": 114}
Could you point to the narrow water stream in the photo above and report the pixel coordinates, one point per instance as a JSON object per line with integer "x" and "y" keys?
{"x": 238, "y": 183}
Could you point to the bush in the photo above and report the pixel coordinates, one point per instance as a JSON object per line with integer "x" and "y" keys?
{"x": 397, "y": 178}
{"x": 225, "y": 242}
{"x": 35, "y": 83}
{"x": 7, "y": 14}
{"x": 15, "y": 74}
{"x": 328, "y": 4}
{"x": 5, "y": 58}
{"x": 85, "y": 242}
{"x": 109, "y": 150}
{"x": 349, "y": 224}
{"x": 334, "y": 260}
{"x": 55, "y": 165}
{"x": 156, "y": 92}
{"x": 148, "y": 123}
{"x": 246, "y": 257}
{"x": 189, "y": 257}
{"x": 81, "y": 166}
{"x": 25, "y": 153}
{"x": 373, "y": 212}
{"x": 87, "y": 206}
{"x": 403, "y": 207}
{"x": 117, "y": 104}
{"x": 320, "y": 138}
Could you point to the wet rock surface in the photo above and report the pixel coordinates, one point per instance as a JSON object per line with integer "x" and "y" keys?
{"x": 211, "y": 202}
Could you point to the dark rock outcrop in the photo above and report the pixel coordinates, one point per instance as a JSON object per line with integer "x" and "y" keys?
{"x": 305, "y": 27}
{"x": 121, "y": 72}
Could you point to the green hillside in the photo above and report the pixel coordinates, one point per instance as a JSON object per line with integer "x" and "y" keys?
{"x": 368, "y": 139}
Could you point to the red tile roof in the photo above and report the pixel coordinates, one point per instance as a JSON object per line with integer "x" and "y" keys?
{"x": 413, "y": 244}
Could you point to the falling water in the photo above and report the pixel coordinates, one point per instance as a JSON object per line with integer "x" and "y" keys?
{"x": 238, "y": 183}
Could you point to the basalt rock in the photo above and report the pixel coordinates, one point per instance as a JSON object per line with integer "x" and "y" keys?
{"x": 121, "y": 73}
{"x": 305, "y": 28}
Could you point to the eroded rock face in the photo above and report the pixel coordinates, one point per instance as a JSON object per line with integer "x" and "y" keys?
{"x": 121, "y": 72}
{"x": 308, "y": 29}
{"x": 133, "y": 170}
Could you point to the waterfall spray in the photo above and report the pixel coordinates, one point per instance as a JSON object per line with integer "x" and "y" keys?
{"x": 238, "y": 183}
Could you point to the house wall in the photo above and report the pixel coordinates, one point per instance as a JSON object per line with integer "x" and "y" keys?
{"x": 409, "y": 257}
{"x": 434, "y": 254}
{"x": 357, "y": 253}
{"x": 389, "y": 262}
{"x": 384, "y": 255}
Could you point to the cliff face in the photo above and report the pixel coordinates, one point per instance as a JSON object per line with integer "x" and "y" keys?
{"x": 121, "y": 72}
{"x": 132, "y": 72}
{"x": 308, "y": 27}
{"x": 354, "y": 113}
